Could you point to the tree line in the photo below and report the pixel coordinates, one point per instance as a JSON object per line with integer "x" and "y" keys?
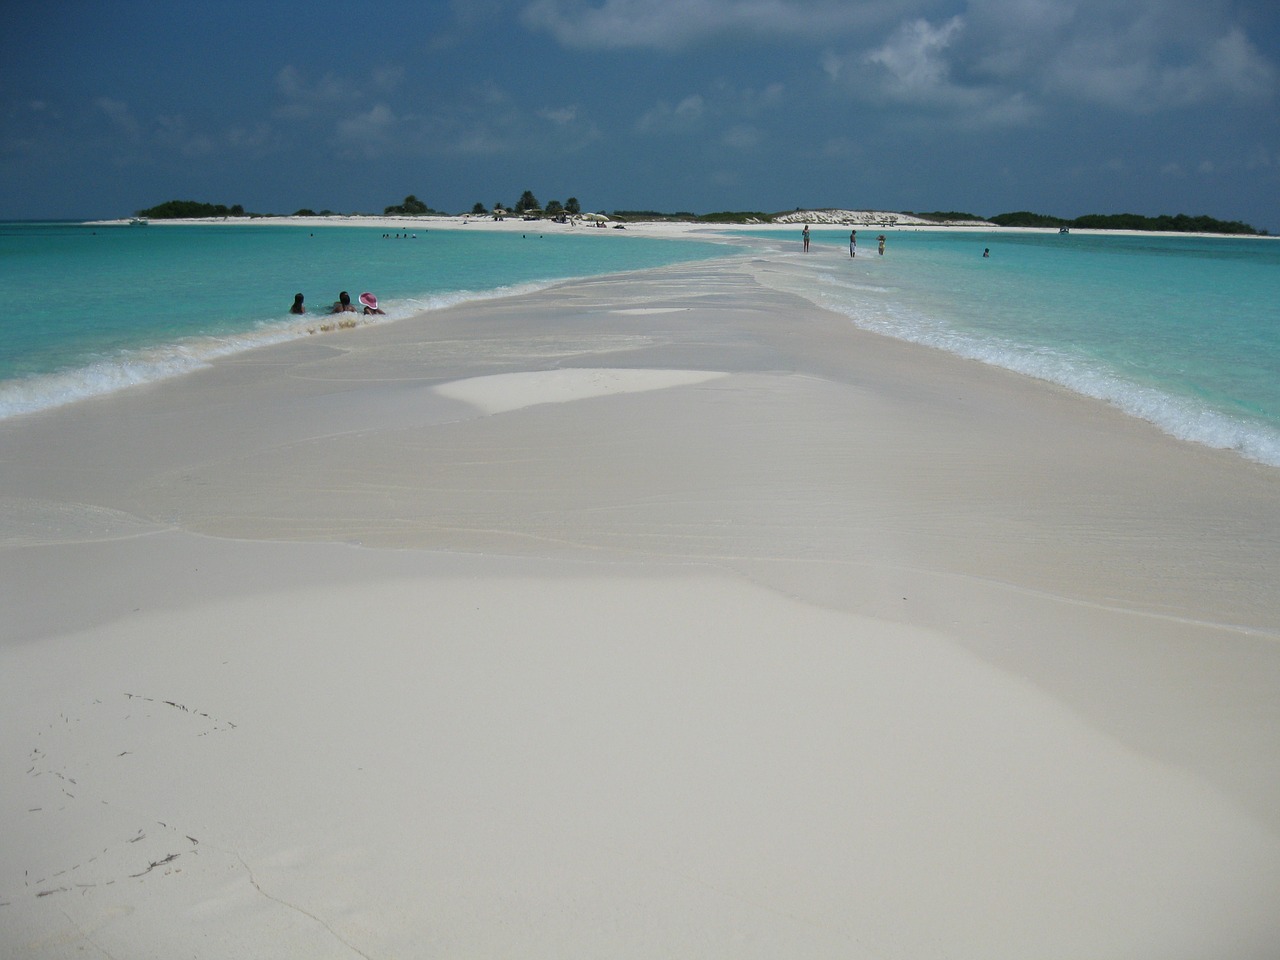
{"x": 1180, "y": 223}
{"x": 528, "y": 205}
{"x": 186, "y": 209}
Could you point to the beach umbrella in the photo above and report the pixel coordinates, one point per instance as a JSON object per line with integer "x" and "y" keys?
{"x": 595, "y": 217}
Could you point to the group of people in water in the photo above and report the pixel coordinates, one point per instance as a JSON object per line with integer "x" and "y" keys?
{"x": 853, "y": 241}
{"x": 343, "y": 304}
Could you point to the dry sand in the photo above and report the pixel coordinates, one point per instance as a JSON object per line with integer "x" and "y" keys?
{"x": 657, "y": 615}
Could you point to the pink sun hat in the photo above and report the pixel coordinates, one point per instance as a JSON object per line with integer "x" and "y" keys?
{"x": 369, "y": 300}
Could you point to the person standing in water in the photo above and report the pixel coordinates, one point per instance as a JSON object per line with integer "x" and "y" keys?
{"x": 805, "y": 234}
{"x": 881, "y": 239}
{"x": 853, "y": 243}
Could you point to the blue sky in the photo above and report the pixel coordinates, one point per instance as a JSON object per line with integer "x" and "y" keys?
{"x": 1058, "y": 106}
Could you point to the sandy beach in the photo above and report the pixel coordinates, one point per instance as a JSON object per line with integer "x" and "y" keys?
{"x": 788, "y": 225}
{"x": 655, "y": 615}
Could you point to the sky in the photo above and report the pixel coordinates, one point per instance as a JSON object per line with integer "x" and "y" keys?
{"x": 1064, "y": 107}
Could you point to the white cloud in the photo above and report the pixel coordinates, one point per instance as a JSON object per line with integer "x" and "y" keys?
{"x": 371, "y": 127}
{"x": 917, "y": 66}
{"x": 913, "y": 62}
{"x": 561, "y": 117}
{"x": 662, "y": 118}
{"x": 674, "y": 24}
{"x": 1006, "y": 62}
{"x": 1142, "y": 72}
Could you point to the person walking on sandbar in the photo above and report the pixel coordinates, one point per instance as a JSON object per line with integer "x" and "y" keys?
{"x": 805, "y": 233}
{"x": 853, "y": 243}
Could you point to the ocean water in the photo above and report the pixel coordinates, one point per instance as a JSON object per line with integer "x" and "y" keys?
{"x": 1181, "y": 331}
{"x": 93, "y": 309}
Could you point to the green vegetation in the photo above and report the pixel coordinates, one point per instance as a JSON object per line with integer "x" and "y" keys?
{"x": 941, "y": 216}
{"x": 1176, "y": 224}
{"x": 186, "y": 209}
{"x": 650, "y": 215}
{"x": 1128, "y": 221}
{"x": 1025, "y": 218}
{"x": 527, "y": 203}
{"x": 736, "y": 216}
{"x": 412, "y": 206}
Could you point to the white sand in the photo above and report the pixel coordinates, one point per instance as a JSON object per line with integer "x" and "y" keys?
{"x": 503, "y": 392}
{"x": 788, "y": 224}
{"x": 656, "y": 616}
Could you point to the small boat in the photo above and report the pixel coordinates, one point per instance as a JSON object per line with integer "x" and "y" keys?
{"x": 139, "y": 222}
{"x": 1064, "y": 229}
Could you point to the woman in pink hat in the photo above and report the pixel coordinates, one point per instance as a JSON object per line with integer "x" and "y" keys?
{"x": 370, "y": 303}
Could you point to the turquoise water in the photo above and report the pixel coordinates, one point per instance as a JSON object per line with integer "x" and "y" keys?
{"x": 98, "y": 308}
{"x": 1181, "y": 331}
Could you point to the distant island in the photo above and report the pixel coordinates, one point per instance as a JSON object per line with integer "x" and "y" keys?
{"x": 1180, "y": 223}
{"x": 190, "y": 210}
{"x": 529, "y": 209}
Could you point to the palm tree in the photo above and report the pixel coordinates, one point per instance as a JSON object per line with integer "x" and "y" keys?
{"x": 527, "y": 201}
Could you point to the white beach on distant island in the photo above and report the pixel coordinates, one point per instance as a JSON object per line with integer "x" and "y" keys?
{"x": 655, "y": 615}
{"x": 782, "y": 224}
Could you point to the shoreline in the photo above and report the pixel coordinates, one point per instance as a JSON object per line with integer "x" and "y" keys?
{"x": 1214, "y": 429}
{"x": 647, "y": 227}
{"x": 615, "y": 612}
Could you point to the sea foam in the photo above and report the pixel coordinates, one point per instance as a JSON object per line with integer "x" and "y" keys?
{"x": 1130, "y": 355}
{"x": 132, "y": 368}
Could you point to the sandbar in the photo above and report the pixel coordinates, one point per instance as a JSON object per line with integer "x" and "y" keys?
{"x": 660, "y": 614}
